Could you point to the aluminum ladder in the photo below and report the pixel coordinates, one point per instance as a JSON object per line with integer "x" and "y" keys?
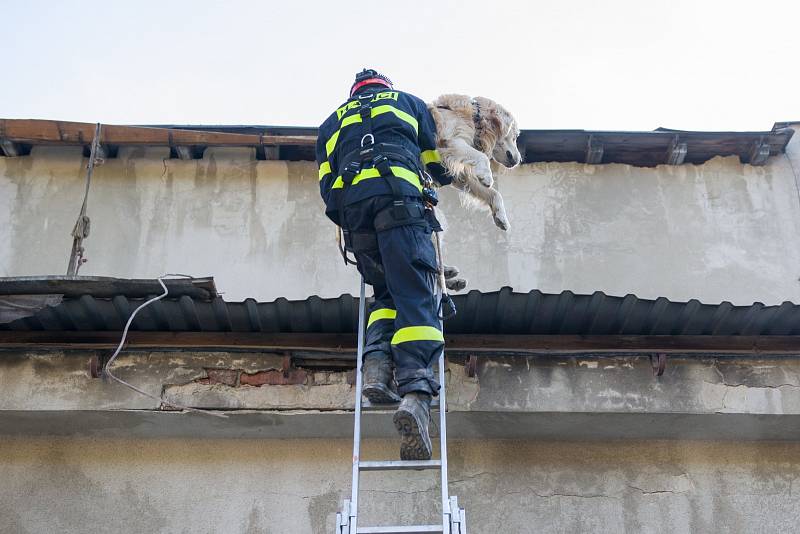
{"x": 453, "y": 517}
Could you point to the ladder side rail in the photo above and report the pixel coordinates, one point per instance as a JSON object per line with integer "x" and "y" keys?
{"x": 362, "y": 307}
{"x": 443, "y": 445}
{"x": 446, "y": 512}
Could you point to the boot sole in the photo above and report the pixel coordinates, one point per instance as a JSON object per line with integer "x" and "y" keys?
{"x": 415, "y": 441}
{"x": 380, "y": 394}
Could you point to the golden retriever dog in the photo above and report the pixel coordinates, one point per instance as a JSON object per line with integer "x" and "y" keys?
{"x": 473, "y": 133}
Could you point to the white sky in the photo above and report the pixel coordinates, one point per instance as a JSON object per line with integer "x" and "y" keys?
{"x": 614, "y": 64}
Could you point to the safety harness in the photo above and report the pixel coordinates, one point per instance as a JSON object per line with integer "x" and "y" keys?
{"x": 402, "y": 212}
{"x": 380, "y": 155}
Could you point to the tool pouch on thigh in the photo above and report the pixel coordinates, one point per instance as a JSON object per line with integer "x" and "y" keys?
{"x": 424, "y": 254}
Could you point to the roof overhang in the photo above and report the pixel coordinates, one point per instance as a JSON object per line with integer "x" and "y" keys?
{"x": 647, "y": 149}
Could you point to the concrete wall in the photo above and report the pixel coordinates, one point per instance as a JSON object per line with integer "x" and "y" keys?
{"x": 81, "y": 455}
{"x": 607, "y": 447}
{"x": 718, "y": 231}
{"x": 292, "y": 486}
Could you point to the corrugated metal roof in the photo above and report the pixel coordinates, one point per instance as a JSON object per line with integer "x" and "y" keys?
{"x": 496, "y": 312}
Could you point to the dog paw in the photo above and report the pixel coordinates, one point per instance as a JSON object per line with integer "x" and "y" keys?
{"x": 501, "y": 221}
{"x": 456, "y": 284}
{"x": 485, "y": 177}
{"x": 450, "y": 271}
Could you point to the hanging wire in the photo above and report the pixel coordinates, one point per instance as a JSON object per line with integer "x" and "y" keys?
{"x": 107, "y": 368}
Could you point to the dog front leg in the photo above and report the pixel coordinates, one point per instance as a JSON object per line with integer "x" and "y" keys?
{"x": 461, "y": 159}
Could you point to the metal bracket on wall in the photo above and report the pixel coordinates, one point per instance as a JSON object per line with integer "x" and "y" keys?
{"x": 759, "y": 153}
{"x": 676, "y": 153}
{"x": 96, "y": 364}
{"x": 471, "y": 366}
{"x": 594, "y": 151}
{"x": 659, "y": 363}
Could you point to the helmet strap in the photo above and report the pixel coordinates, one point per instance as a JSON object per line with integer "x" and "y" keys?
{"x": 369, "y": 81}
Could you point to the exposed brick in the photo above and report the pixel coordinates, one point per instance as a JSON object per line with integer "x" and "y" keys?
{"x": 229, "y": 377}
{"x": 274, "y": 378}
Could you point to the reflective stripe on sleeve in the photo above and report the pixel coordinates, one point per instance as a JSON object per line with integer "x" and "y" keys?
{"x": 324, "y": 169}
{"x": 431, "y": 156}
{"x": 330, "y": 145}
{"x": 383, "y": 313}
{"x": 417, "y": 333}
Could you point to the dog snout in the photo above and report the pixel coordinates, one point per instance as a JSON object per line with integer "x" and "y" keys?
{"x": 510, "y": 157}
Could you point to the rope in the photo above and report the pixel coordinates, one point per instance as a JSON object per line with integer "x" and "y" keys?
{"x": 160, "y": 399}
{"x": 82, "y": 225}
{"x": 342, "y": 251}
{"x": 444, "y": 297}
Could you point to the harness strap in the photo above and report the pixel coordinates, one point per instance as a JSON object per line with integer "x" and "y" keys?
{"x": 386, "y": 219}
{"x": 477, "y": 120}
{"x": 380, "y": 156}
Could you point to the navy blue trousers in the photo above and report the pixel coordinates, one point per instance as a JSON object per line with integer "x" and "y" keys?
{"x": 400, "y": 265}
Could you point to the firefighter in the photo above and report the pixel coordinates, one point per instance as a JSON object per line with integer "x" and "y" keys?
{"x": 371, "y": 152}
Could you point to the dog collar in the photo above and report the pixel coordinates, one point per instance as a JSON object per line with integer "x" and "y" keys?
{"x": 477, "y": 119}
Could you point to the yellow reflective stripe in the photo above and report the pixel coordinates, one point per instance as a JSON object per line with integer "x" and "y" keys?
{"x": 417, "y": 333}
{"x": 383, "y": 313}
{"x": 352, "y": 119}
{"x": 400, "y": 172}
{"x": 330, "y": 145}
{"x": 324, "y": 169}
{"x": 366, "y": 174}
{"x": 431, "y": 156}
{"x": 400, "y": 114}
{"x": 409, "y": 176}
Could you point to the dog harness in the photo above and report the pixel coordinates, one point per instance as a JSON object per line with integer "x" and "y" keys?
{"x": 477, "y": 121}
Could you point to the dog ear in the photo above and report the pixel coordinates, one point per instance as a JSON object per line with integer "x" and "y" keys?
{"x": 498, "y": 122}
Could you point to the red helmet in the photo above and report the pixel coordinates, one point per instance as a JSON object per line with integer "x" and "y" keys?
{"x": 369, "y": 77}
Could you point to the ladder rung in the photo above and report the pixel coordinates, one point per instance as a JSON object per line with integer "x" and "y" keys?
{"x": 367, "y": 406}
{"x": 399, "y": 465}
{"x": 413, "y": 529}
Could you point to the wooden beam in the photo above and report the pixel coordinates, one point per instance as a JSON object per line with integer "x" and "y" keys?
{"x": 77, "y": 133}
{"x": 594, "y": 151}
{"x": 534, "y": 344}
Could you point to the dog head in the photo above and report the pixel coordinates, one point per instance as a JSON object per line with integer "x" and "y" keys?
{"x": 506, "y": 131}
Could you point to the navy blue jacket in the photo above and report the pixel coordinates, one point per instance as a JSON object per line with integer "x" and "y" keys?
{"x": 398, "y": 118}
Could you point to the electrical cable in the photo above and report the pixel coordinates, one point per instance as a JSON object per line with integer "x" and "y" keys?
{"x": 160, "y": 399}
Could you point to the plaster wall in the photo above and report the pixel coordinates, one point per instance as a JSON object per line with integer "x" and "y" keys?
{"x": 294, "y": 486}
{"x": 552, "y": 397}
{"x": 718, "y": 231}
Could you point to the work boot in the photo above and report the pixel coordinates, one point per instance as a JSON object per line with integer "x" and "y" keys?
{"x": 378, "y": 380}
{"x": 411, "y": 420}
